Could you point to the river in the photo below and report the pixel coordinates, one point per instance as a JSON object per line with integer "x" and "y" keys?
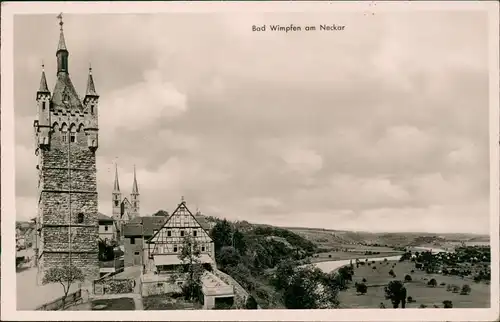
{"x": 329, "y": 266}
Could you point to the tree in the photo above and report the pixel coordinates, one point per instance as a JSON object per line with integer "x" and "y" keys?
{"x": 364, "y": 280}
{"x": 222, "y": 234}
{"x": 65, "y": 275}
{"x": 448, "y": 304}
{"x": 310, "y": 288}
{"x": 361, "y": 288}
{"x": 391, "y": 273}
{"x": 228, "y": 256}
{"x": 239, "y": 242}
{"x": 407, "y": 278}
{"x": 284, "y": 273}
{"x": 432, "y": 282}
{"x": 106, "y": 252}
{"x": 396, "y": 292}
{"x": 465, "y": 290}
{"x": 191, "y": 270}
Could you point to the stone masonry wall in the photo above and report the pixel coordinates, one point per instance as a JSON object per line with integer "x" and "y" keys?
{"x": 63, "y": 195}
{"x": 87, "y": 262}
{"x": 241, "y": 295}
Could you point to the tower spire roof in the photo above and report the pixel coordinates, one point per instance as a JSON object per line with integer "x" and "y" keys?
{"x": 43, "y": 82}
{"x": 90, "y": 85}
{"x": 135, "y": 189}
{"x": 62, "y": 42}
{"x": 117, "y": 185}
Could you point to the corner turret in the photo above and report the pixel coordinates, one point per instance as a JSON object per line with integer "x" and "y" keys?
{"x": 42, "y": 124}
{"x": 91, "y": 102}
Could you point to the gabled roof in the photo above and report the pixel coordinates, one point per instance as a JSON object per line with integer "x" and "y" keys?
{"x": 182, "y": 207}
{"x": 134, "y": 228}
{"x": 103, "y": 217}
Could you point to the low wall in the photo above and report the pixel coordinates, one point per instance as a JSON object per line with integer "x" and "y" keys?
{"x": 56, "y": 305}
{"x": 114, "y": 286}
{"x": 158, "y": 284}
{"x": 240, "y": 294}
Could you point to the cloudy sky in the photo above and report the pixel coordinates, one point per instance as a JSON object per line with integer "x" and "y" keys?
{"x": 381, "y": 127}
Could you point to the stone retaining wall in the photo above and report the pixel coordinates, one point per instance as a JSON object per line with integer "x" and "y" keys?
{"x": 240, "y": 294}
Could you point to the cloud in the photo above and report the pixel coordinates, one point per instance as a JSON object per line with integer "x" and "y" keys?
{"x": 381, "y": 127}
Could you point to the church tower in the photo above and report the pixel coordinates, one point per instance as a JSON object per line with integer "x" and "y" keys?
{"x": 66, "y": 134}
{"x": 134, "y": 198}
{"x": 116, "y": 198}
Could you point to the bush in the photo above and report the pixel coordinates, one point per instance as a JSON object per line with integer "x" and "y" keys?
{"x": 422, "y": 306}
{"x": 407, "y": 278}
{"x": 432, "y": 282}
{"x": 364, "y": 280}
{"x": 361, "y": 288}
{"x": 329, "y": 255}
{"x": 443, "y": 284}
{"x": 382, "y": 305}
{"x": 455, "y": 288}
{"x": 412, "y": 271}
{"x": 251, "y": 303}
{"x": 448, "y": 304}
{"x": 374, "y": 267}
{"x": 410, "y": 299}
{"x": 465, "y": 290}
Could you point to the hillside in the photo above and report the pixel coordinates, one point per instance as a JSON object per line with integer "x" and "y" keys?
{"x": 336, "y": 238}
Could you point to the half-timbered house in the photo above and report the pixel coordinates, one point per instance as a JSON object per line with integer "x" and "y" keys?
{"x": 164, "y": 247}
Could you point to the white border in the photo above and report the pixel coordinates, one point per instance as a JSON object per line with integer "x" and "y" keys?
{"x": 8, "y": 181}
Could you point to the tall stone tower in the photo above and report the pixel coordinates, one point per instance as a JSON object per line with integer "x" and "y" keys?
{"x": 134, "y": 198}
{"x": 116, "y": 197}
{"x": 66, "y": 134}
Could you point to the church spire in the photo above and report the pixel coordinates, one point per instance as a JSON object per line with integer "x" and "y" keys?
{"x": 43, "y": 82}
{"x": 90, "y": 85}
{"x": 117, "y": 185}
{"x": 62, "y": 52}
{"x": 135, "y": 190}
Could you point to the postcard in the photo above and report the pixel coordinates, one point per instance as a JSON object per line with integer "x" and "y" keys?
{"x": 258, "y": 161}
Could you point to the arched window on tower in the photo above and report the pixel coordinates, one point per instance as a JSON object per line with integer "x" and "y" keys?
{"x": 80, "y": 218}
{"x": 72, "y": 134}
{"x": 64, "y": 132}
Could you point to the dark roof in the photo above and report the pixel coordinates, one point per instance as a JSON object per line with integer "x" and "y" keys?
{"x": 103, "y": 217}
{"x": 134, "y": 229}
{"x": 202, "y": 221}
{"x": 65, "y": 91}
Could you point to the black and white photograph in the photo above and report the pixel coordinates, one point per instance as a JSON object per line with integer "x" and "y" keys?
{"x": 292, "y": 160}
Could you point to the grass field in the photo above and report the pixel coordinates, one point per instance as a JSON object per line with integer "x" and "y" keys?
{"x": 332, "y": 256}
{"x": 162, "y": 302}
{"x": 377, "y": 278}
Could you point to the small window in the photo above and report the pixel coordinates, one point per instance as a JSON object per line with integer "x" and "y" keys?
{"x": 159, "y": 284}
{"x": 91, "y": 109}
{"x": 72, "y": 137}
{"x": 80, "y": 218}
{"x": 106, "y": 228}
{"x": 116, "y": 203}
{"x": 136, "y": 253}
{"x": 169, "y": 233}
{"x": 65, "y": 137}
{"x": 132, "y": 240}
{"x": 202, "y": 248}
{"x": 175, "y": 248}
{"x": 182, "y": 233}
{"x": 179, "y": 283}
{"x": 43, "y": 106}
{"x": 195, "y": 233}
